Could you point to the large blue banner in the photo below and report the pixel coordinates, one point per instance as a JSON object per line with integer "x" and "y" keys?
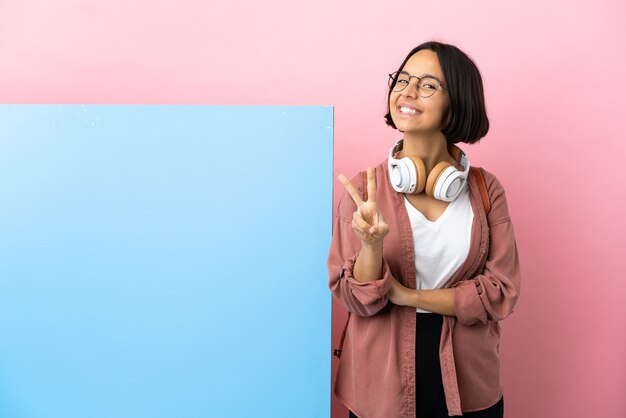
{"x": 164, "y": 261}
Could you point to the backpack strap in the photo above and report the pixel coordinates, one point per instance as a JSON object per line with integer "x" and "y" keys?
{"x": 480, "y": 179}
{"x": 337, "y": 352}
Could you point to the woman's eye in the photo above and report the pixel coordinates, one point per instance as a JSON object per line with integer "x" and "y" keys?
{"x": 429, "y": 87}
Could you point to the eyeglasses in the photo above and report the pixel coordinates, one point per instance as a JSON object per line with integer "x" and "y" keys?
{"x": 426, "y": 86}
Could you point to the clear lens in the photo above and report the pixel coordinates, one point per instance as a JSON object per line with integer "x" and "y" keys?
{"x": 428, "y": 85}
{"x": 402, "y": 82}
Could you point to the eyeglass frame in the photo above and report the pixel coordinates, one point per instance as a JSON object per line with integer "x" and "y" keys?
{"x": 391, "y": 80}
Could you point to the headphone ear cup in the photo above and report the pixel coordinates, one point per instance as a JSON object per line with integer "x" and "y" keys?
{"x": 434, "y": 176}
{"x": 420, "y": 168}
{"x": 399, "y": 174}
{"x": 449, "y": 185}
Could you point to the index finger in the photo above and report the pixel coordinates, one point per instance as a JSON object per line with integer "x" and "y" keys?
{"x": 371, "y": 184}
{"x": 354, "y": 193}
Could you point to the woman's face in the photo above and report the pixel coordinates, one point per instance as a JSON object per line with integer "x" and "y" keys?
{"x": 431, "y": 111}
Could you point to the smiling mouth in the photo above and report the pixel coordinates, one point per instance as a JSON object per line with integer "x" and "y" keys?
{"x": 403, "y": 110}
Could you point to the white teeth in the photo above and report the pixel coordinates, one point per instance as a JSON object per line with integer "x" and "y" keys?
{"x": 410, "y": 111}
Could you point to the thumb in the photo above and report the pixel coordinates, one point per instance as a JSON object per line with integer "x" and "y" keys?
{"x": 378, "y": 230}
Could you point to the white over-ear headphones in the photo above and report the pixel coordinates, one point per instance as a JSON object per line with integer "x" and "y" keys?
{"x": 444, "y": 182}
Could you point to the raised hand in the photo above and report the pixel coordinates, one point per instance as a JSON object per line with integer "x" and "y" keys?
{"x": 368, "y": 222}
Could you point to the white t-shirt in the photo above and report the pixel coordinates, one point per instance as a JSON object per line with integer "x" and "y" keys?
{"x": 441, "y": 246}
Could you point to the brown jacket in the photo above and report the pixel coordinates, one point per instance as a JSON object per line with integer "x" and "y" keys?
{"x": 376, "y": 375}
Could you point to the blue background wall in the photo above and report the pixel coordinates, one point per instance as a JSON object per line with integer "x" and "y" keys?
{"x": 164, "y": 261}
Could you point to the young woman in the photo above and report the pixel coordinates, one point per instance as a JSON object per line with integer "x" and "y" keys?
{"x": 424, "y": 260}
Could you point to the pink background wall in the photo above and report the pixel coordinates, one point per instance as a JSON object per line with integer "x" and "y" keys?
{"x": 556, "y": 94}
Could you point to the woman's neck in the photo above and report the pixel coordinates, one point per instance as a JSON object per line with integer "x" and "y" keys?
{"x": 431, "y": 150}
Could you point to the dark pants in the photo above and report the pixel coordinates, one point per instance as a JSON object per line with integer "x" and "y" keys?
{"x": 430, "y": 398}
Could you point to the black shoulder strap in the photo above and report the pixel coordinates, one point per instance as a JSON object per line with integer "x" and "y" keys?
{"x": 480, "y": 179}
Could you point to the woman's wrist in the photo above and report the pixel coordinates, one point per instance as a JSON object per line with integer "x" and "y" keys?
{"x": 373, "y": 248}
{"x": 368, "y": 266}
{"x": 413, "y": 298}
{"x": 410, "y": 297}
{"x": 439, "y": 301}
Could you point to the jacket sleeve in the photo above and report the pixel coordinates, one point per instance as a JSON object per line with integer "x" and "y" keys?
{"x": 492, "y": 295}
{"x": 361, "y": 298}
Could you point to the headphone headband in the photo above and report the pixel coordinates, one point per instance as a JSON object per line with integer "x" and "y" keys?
{"x": 455, "y": 151}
